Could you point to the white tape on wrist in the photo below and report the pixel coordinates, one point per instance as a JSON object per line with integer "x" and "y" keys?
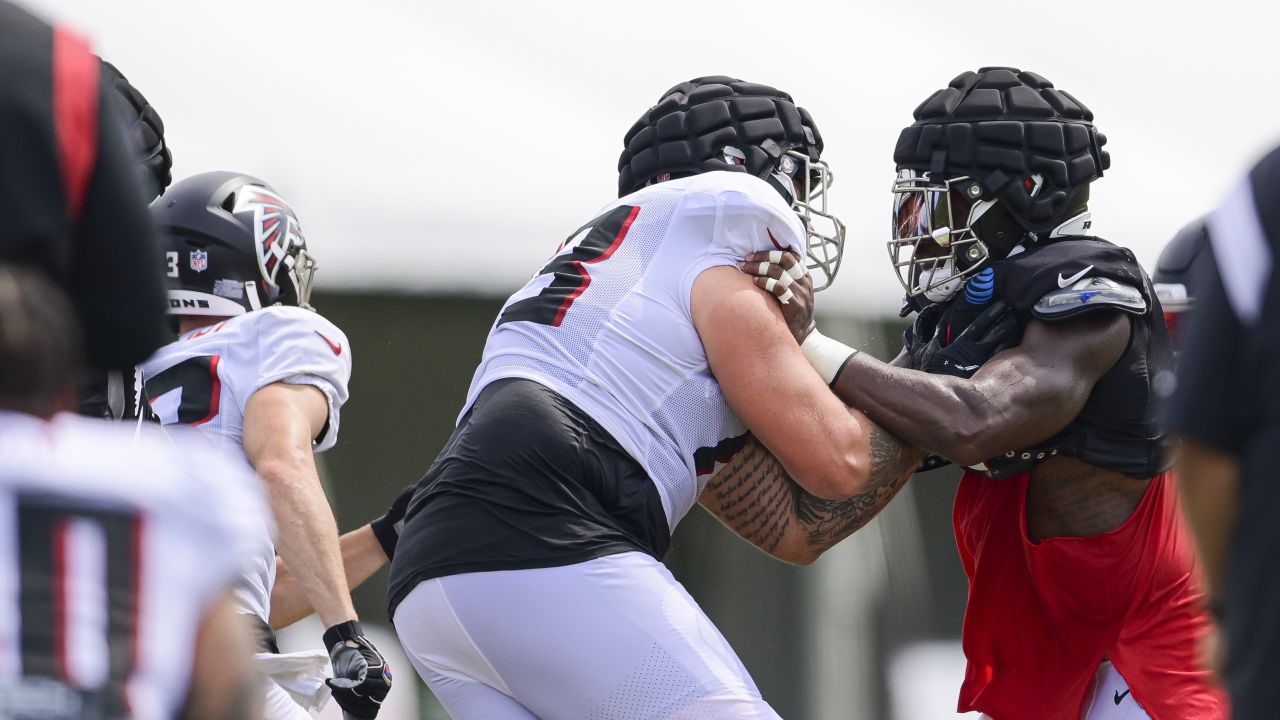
{"x": 826, "y": 356}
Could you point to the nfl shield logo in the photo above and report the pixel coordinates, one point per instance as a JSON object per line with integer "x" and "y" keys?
{"x": 199, "y": 260}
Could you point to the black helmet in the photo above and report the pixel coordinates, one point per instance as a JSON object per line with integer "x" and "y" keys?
{"x": 994, "y": 160}
{"x": 722, "y": 123}
{"x": 145, "y": 131}
{"x": 231, "y": 245}
{"x": 1175, "y": 271}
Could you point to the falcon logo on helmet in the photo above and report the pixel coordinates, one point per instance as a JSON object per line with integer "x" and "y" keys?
{"x": 275, "y": 229}
{"x": 245, "y": 245}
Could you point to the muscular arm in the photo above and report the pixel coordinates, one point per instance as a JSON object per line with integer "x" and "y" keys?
{"x": 769, "y": 384}
{"x": 280, "y": 421}
{"x": 1209, "y": 481}
{"x": 362, "y": 556}
{"x": 1019, "y": 397}
{"x": 753, "y": 496}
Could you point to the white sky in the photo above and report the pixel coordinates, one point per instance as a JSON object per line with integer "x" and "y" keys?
{"x": 435, "y": 146}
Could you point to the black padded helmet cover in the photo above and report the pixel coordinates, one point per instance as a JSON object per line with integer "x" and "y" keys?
{"x": 687, "y": 131}
{"x": 1000, "y": 126}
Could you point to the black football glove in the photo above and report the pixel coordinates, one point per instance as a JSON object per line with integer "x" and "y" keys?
{"x": 996, "y": 328}
{"x": 361, "y": 676}
{"x": 916, "y": 338}
{"x": 387, "y": 528}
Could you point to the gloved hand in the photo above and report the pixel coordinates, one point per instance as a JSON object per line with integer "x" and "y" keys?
{"x": 145, "y": 130}
{"x": 996, "y": 328}
{"x": 387, "y": 528}
{"x": 361, "y": 677}
{"x": 916, "y": 338}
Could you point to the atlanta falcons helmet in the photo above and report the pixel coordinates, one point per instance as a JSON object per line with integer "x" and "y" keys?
{"x": 997, "y": 159}
{"x": 722, "y": 123}
{"x": 231, "y": 245}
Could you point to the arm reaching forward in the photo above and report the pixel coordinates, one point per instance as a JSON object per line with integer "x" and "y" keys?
{"x": 280, "y": 421}
{"x": 755, "y": 498}
{"x": 769, "y": 384}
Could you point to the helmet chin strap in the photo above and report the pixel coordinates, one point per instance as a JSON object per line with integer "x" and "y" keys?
{"x": 782, "y": 183}
{"x": 940, "y": 283}
{"x": 251, "y": 292}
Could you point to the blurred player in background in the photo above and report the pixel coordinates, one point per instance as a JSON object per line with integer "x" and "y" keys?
{"x": 110, "y": 394}
{"x": 1175, "y": 276}
{"x": 265, "y": 376}
{"x": 69, "y": 190}
{"x": 119, "y": 554}
{"x": 1082, "y": 602}
{"x": 528, "y": 582}
{"x": 1226, "y": 410}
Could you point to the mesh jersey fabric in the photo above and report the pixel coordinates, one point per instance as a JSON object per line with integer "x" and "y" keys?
{"x": 135, "y": 536}
{"x": 206, "y": 377}
{"x": 623, "y": 346}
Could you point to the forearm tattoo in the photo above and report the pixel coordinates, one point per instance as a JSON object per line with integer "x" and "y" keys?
{"x": 827, "y": 522}
{"x": 756, "y": 498}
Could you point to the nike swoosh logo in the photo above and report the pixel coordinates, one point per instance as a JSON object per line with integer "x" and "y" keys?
{"x": 1064, "y": 282}
{"x": 336, "y": 348}
{"x": 1120, "y": 696}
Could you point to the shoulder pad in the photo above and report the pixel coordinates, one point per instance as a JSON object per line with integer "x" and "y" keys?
{"x": 1042, "y": 278}
{"x": 1093, "y": 293}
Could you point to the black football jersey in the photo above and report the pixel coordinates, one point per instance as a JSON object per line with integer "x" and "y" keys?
{"x": 1060, "y": 278}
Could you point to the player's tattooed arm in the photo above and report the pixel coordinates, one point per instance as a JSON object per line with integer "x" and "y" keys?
{"x": 755, "y": 498}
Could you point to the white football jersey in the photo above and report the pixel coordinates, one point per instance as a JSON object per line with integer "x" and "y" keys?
{"x": 206, "y": 377}
{"x": 110, "y": 554}
{"x": 606, "y": 323}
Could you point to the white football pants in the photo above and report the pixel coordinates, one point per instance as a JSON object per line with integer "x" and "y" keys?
{"x": 616, "y": 637}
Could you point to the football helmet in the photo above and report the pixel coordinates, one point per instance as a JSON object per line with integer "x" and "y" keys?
{"x": 1173, "y": 279}
{"x": 231, "y": 245}
{"x": 994, "y": 161}
{"x": 722, "y": 123}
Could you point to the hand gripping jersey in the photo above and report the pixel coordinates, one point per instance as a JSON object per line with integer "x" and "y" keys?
{"x": 606, "y": 323}
{"x": 206, "y": 377}
{"x": 112, "y": 551}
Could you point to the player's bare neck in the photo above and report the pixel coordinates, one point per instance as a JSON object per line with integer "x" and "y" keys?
{"x": 187, "y": 323}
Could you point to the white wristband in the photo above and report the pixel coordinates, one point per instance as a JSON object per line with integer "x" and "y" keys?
{"x": 826, "y": 356}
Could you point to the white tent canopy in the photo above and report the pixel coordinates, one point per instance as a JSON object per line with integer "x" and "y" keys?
{"x": 433, "y": 146}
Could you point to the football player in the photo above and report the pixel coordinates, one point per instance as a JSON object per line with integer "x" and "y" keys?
{"x": 118, "y": 553}
{"x": 264, "y": 376}
{"x": 106, "y": 394}
{"x": 528, "y": 579}
{"x": 1174, "y": 278}
{"x": 69, "y": 189}
{"x": 1082, "y": 601}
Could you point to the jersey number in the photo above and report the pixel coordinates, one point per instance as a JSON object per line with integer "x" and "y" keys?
{"x": 198, "y": 387}
{"x": 78, "y": 588}
{"x": 600, "y": 239}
